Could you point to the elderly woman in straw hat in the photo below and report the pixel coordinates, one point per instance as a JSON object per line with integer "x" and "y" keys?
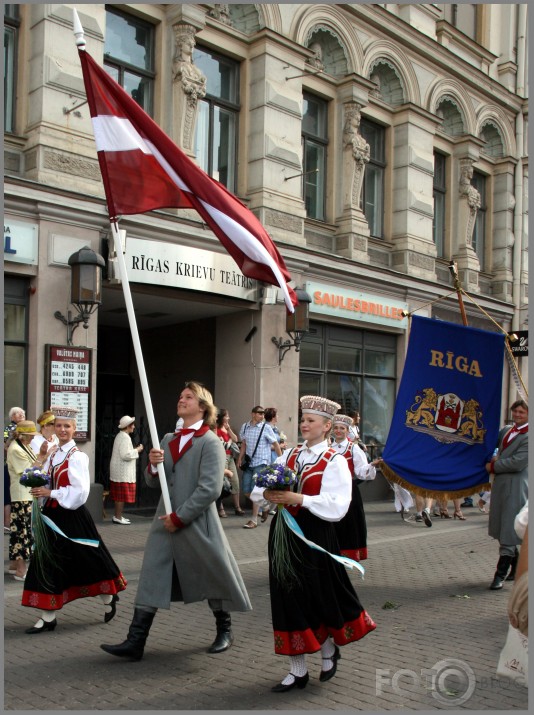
{"x": 20, "y": 456}
{"x": 122, "y": 477}
{"x": 81, "y": 566}
{"x": 319, "y": 610}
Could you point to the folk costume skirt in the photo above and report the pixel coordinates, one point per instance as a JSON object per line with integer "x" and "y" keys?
{"x": 78, "y": 571}
{"x": 351, "y": 531}
{"x": 122, "y": 491}
{"x": 320, "y": 601}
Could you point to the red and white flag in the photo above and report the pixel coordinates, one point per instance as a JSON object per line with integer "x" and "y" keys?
{"x": 142, "y": 170}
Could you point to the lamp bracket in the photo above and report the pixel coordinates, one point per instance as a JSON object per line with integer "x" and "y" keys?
{"x": 72, "y": 323}
{"x": 285, "y": 345}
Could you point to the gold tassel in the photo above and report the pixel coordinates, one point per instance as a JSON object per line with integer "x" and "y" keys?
{"x": 431, "y": 493}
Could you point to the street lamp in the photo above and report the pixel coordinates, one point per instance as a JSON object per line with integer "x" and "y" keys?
{"x": 85, "y": 289}
{"x": 297, "y": 325}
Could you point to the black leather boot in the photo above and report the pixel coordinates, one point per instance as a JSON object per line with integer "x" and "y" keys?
{"x": 513, "y": 566}
{"x": 134, "y": 645}
{"x": 224, "y": 638}
{"x": 503, "y": 564}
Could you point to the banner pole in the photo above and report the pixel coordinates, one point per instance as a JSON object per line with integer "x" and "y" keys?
{"x": 140, "y": 362}
{"x": 458, "y": 288}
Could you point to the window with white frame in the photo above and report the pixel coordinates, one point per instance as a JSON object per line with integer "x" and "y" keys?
{"x": 479, "y": 181}
{"x": 11, "y": 25}
{"x": 314, "y": 148}
{"x": 218, "y": 113}
{"x": 439, "y": 194}
{"x": 129, "y": 56}
{"x": 372, "y": 199}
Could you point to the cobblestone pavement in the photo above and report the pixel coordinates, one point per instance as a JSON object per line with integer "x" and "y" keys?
{"x": 426, "y": 588}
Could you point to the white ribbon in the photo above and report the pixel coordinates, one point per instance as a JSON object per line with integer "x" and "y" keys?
{"x": 295, "y": 528}
{"x": 54, "y": 527}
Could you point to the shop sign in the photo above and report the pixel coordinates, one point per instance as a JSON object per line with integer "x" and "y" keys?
{"x": 20, "y": 241}
{"x": 355, "y": 305}
{"x": 68, "y": 383}
{"x": 519, "y": 347}
{"x": 176, "y": 266}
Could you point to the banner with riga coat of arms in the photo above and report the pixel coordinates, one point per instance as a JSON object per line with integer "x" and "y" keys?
{"x": 447, "y": 413}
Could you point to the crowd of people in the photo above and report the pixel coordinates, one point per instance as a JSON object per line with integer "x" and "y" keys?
{"x": 319, "y": 610}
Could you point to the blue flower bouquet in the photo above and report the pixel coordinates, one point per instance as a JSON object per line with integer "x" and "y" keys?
{"x": 279, "y": 477}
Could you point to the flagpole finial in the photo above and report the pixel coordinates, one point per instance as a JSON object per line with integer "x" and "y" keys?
{"x": 78, "y": 30}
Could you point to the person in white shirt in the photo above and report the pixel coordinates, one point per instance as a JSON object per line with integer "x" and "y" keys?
{"x": 122, "y": 469}
{"x": 352, "y": 529}
{"x": 46, "y": 434}
{"x": 76, "y": 569}
{"x": 319, "y": 610}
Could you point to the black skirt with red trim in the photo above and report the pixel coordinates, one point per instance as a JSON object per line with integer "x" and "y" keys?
{"x": 320, "y": 601}
{"x": 351, "y": 531}
{"x": 78, "y": 571}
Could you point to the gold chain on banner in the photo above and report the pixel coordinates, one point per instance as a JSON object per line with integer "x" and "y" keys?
{"x": 518, "y": 380}
{"x": 516, "y": 374}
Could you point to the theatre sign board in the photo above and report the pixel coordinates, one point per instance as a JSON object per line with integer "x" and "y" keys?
{"x": 334, "y": 300}
{"x": 176, "y": 266}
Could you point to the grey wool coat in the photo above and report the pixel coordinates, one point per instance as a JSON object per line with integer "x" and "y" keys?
{"x": 509, "y": 491}
{"x": 204, "y": 562}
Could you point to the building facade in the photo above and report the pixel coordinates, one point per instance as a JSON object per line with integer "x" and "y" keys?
{"x": 376, "y": 144}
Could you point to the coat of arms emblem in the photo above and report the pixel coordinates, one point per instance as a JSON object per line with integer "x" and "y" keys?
{"x": 446, "y": 417}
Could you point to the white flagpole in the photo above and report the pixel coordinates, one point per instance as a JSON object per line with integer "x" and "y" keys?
{"x": 140, "y": 362}
{"x": 80, "y": 42}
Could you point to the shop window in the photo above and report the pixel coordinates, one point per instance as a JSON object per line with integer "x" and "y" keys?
{"x": 218, "y": 112}
{"x": 373, "y": 179}
{"x": 314, "y": 145}
{"x": 439, "y": 195}
{"x": 357, "y": 369}
{"x": 129, "y": 56}
{"x": 11, "y": 25}
{"x": 15, "y": 342}
{"x": 479, "y": 232}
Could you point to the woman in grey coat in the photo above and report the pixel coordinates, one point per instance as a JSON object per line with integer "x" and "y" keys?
{"x": 187, "y": 556}
{"x": 509, "y": 491}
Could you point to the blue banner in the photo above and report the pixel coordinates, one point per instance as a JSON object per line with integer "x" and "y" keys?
{"x": 447, "y": 413}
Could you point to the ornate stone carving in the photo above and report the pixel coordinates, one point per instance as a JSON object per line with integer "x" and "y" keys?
{"x": 72, "y": 164}
{"x": 356, "y": 154}
{"x": 189, "y": 84}
{"x": 317, "y": 60}
{"x": 468, "y": 193}
{"x": 221, "y": 12}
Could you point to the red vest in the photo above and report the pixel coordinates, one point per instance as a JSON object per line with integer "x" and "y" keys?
{"x": 60, "y": 476}
{"x": 348, "y": 456}
{"x": 311, "y": 475}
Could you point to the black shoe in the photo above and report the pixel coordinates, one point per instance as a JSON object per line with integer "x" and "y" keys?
{"x": 300, "y": 681}
{"x": 327, "y": 674}
{"x": 47, "y": 626}
{"x": 503, "y": 565}
{"x": 418, "y": 517}
{"x": 426, "y": 517}
{"x": 497, "y": 583}
{"x": 466, "y": 504}
{"x": 224, "y": 638}
{"x": 111, "y": 614}
{"x": 127, "y": 649}
{"x": 134, "y": 645}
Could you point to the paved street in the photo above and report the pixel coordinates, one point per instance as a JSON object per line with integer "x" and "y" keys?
{"x": 434, "y": 580}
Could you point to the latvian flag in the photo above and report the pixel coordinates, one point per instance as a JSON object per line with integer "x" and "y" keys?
{"x": 142, "y": 170}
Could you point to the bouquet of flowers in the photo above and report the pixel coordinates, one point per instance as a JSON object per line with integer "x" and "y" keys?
{"x": 33, "y": 477}
{"x": 42, "y": 554}
{"x": 279, "y": 477}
